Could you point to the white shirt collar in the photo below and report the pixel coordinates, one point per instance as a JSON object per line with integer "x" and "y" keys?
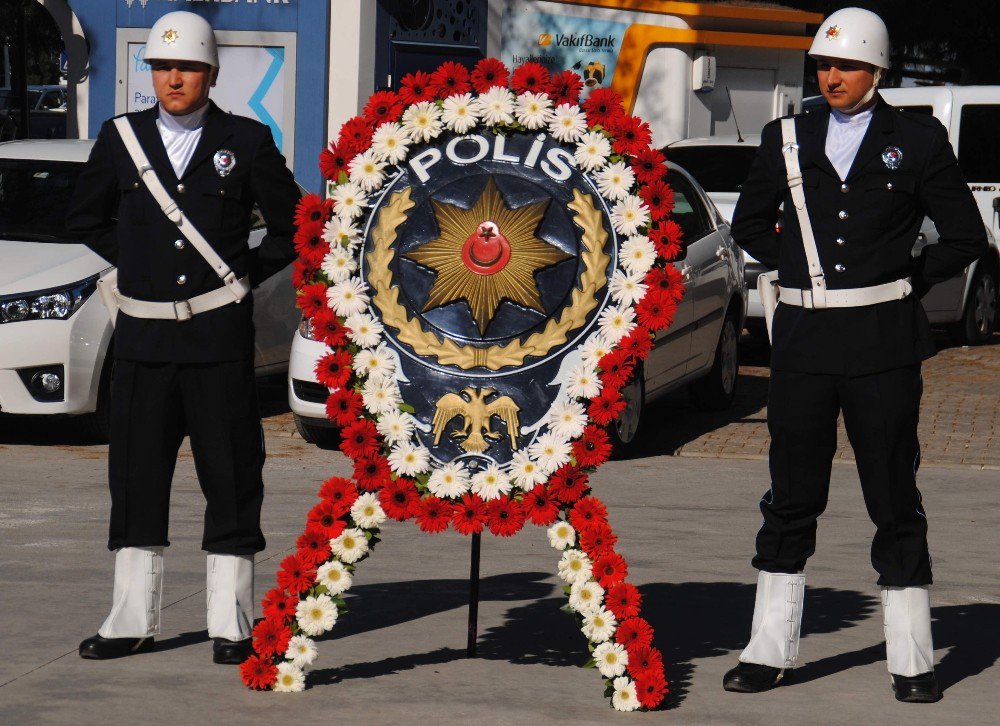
{"x": 858, "y": 119}
{"x": 187, "y": 122}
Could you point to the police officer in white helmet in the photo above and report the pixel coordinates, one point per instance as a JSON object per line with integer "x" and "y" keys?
{"x": 167, "y": 196}
{"x": 856, "y": 178}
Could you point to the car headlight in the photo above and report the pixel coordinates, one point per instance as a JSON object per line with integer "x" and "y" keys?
{"x": 306, "y": 329}
{"x": 55, "y": 304}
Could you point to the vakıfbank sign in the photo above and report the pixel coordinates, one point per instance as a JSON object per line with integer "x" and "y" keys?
{"x": 180, "y": 4}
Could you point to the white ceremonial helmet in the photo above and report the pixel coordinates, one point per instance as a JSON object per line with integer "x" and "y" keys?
{"x": 182, "y": 36}
{"x": 853, "y": 34}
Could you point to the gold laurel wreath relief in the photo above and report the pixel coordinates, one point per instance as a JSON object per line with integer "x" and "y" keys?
{"x": 582, "y": 301}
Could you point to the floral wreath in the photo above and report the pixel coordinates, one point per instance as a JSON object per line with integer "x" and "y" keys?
{"x": 394, "y": 476}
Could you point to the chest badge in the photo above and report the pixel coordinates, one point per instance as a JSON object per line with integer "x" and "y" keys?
{"x": 892, "y": 157}
{"x": 225, "y": 160}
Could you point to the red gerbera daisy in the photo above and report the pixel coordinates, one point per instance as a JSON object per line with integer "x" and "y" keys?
{"x": 360, "y": 438}
{"x": 634, "y": 633}
{"x": 340, "y": 492}
{"x": 302, "y": 273}
{"x": 606, "y": 407}
{"x": 632, "y": 135}
{"x": 343, "y": 406}
{"x": 279, "y": 605}
{"x": 624, "y": 600}
{"x": 313, "y": 545}
{"x": 593, "y": 448}
{"x": 650, "y": 688}
{"x": 644, "y": 660}
{"x": 489, "y": 72}
{"x": 334, "y": 160}
{"x": 355, "y": 135}
{"x": 505, "y": 516}
{"x": 295, "y": 575}
{"x": 603, "y": 107}
{"x": 433, "y": 514}
{"x": 616, "y": 370}
{"x": 449, "y": 79}
{"x": 326, "y": 516}
{"x": 568, "y": 484}
{"x": 372, "y": 472}
{"x": 311, "y": 208}
{"x": 413, "y": 88}
{"x": 399, "y": 499}
{"x": 588, "y": 513}
{"x": 383, "y": 106}
{"x": 656, "y": 310}
{"x": 597, "y": 541}
{"x": 326, "y": 328}
{"x": 532, "y": 77}
{"x": 659, "y": 197}
{"x": 258, "y": 673}
{"x": 539, "y": 506}
{"x": 333, "y": 370}
{"x": 667, "y": 238}
{"x": 311, "y": 298}
{"x": 309, "y": 243}
{"x": 609, "y": 569}
{"x": 469, "y": 515}
{"x": 565, "y": 87}
{"x": 667, "y": 279}
{"x": 637, "y": 344}
{"x": 270, "y": 638}
{"x": 649, "y": 165}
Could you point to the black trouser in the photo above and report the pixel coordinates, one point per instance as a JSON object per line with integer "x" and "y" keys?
{"x": 880, "y": 414}
{"x": 153, "y": 405}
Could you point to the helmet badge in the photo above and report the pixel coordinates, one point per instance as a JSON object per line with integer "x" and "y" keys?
{"x": 833, "y": 32}
{"x": 170, "y": 37}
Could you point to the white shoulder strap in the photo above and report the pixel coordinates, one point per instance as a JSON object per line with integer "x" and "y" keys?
{"x": 790, "y": 150}
{"x": 238, "y": 287}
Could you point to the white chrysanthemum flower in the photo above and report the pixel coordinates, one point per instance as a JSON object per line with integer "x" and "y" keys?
{"x": 629, "y": 215}
{"x": 611, "y": 659}
{"x": 490, "y": 483}
{"x": 568, "y": 123}
{"x": 348, "y": 297}
{"x": 367, "y": 171}
{"x": 349, "y": 200}
{"x": 637, "y": 254}
{"x": 624, "y": 697}
{"x": 367, "y": 512}
{"x": 350, "y": 546}
{"x": 340, "y": 232}
{"x": 339, "y": 264}
{"x": 301, "y": 651}
{"x": 316, "y": 614}
{"x": 374, "y": 362}
{"x": 380, "y": 395}
{"x": 533, "y": 110}
{"x": 586, "y": 596}
{"x": 592, "y": 151}
{"x": 615, "y": 180}
{"x": 599, "y": 625}
{"x": 334, "y": 576}
{"x": 627, "y": 288}
{"x": 496, "y": 106}
{"x": 407, "y": 459}
{"x": 616, "y": 321}
{"x": 390, "y": 142}
{"x": 449, "y": 482}
{"x": 594, "y": 348}
{"x": 583, "y": 382}
{"x": 459, "y": 113}
{"x": 575, "y": 566}
{"x": 525, "y": 471}
{"x": 364, "y": 330}
{"x": 562, "y": 535}
{"x": 551, "y": 451}
{"x": 422, "y": 121}
{"x": 291, "y": 679}
{"x": 567, "y": 418}
{"x": 395, "y": 426}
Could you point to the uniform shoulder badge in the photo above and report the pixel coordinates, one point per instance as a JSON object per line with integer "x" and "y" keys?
{"x": 892, "y": 157}
{"x": 224, "y": 160}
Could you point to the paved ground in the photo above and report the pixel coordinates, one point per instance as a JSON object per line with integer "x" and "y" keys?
{"x": 686, "y": 527}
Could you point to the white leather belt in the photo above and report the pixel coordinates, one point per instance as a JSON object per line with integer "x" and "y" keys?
{"x": 182, "y": 309}
{"x": 851, "y": 298}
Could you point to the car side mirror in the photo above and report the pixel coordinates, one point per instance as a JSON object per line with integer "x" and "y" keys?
{"x": 682, "y": 253}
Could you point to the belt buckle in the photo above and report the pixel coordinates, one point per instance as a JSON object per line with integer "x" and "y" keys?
{"x": 182, "y": 311}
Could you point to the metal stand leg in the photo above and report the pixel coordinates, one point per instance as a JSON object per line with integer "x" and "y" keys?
{"x": 470, "y": 649}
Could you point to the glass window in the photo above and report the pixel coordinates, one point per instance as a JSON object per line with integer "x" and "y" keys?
{"x": 926, "y": 110}
{"x": 688, "y": 212}
{"x": 979, "y": 143}
{"x": 34, "y": 197}
{"x": 717, "y": 168}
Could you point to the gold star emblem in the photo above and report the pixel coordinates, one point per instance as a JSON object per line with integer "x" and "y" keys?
{"x": 832, "y": 32}
{"x": 170, "y": 37}
{"x": 487, "y": 254}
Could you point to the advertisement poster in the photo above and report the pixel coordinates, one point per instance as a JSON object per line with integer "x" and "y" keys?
{"x": 560, "y": 42}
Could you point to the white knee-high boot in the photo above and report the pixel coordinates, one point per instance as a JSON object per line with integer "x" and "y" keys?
{"x": 230, "y": 596}
{"x": 777, "y": 620}
{"x": 135, "y": 612}
{"x": 909, "y": 647}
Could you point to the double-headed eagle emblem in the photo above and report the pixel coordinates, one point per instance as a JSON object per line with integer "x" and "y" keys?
{"x": 476, "y": 414}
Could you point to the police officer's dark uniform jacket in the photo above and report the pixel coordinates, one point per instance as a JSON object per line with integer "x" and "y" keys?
{"x": 863, "y": 360}
{"x": 194, "y": 376}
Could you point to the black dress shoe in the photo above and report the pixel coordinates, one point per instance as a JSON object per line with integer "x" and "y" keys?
{"x": 752, "y": 678}
{"x": 98, "y": 648}
{"x": 922, "y": 688}
{"x": 231, "y": 652}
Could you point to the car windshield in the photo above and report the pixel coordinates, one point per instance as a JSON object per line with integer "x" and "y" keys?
{"x": 34, "y": 197}
{"x": 716, "y": 168}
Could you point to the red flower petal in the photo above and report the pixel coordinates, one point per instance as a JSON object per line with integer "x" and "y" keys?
{"x": 469, "y": 515}
{"x": 489, "y": 72}
{"x": 433, "y": 514}
{"x": 258, "y": 673}
{"x": 399, "y": 499}
{"x": 505, "y": 516}
{"x": 609, "y": 569}
{"x": 532, "y": 77}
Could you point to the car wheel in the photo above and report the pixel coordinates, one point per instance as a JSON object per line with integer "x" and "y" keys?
{"x": 624, "y": 430}
{"x": 717, "y": 389}
{"x": 325, "y": 437}
{"x": 979, "y": 320}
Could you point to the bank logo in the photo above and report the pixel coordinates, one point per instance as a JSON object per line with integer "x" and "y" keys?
{"x": 545, "y": 39}
{"x": 130, "y": 3}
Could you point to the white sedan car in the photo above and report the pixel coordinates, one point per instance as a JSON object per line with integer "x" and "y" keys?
{"x": 55, "y": 334}
{"x": 700, "y": 350}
